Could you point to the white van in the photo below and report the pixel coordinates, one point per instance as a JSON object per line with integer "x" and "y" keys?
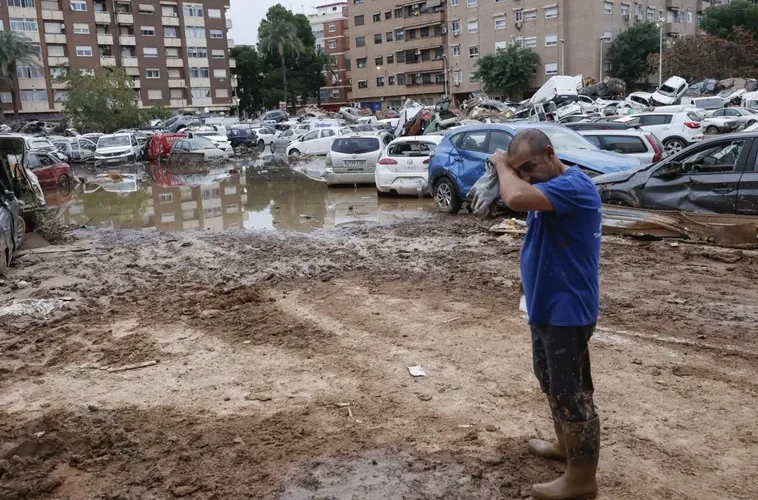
{"x": 707, "y": 103}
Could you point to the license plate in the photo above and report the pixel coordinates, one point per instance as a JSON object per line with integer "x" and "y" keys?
{"x": 355, "y": 163}
{"x": 408, "y": 168}
{"x": 114, "y": 160}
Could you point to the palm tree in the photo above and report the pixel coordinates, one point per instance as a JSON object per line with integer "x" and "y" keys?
{"x": 278, "y": 36}
{"x": 328, "y": 69}
{"x": 15, "y": 49}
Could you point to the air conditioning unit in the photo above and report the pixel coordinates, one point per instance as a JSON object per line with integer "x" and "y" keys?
{"x": 519, "y": 24}
{"x": 457, "y": 33}
{"x": 444, "y": 30}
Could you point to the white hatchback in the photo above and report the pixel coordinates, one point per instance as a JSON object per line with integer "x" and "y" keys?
{"x": 315, "y": 142}
{"x": 352, "y": 159}
{"x": 404, "y": 166}
{"x": 675, "y": 130}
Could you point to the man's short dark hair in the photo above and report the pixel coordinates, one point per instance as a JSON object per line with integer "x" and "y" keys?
{"x": 537, "y": 141}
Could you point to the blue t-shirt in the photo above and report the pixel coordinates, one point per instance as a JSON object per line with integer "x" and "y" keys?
{"x": 560, "y": 259}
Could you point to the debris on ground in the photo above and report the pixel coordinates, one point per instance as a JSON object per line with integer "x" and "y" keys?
{"x": 417, "y": 371}
{"x": 36, "y": 308}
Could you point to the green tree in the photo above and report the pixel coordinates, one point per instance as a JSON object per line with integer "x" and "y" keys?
{"x": 721, "y": 20}
{"x": 249, "y": 76}
{"x": 507, "y": 71}
{"x": 628, "y": 54}
{"x": 15, "y": 49}
{"x": 101, "y": 102}
{"x": 278, "y": 36}
{"x": 157, "y": 112}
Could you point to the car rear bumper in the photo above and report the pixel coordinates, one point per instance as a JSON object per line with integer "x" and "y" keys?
{"x": 408, "y": 183}
{"x": 349, "y": 178}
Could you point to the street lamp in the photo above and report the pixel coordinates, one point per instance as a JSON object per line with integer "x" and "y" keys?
{"x": 444, "y": 62}
{"x": 660, "y": 25}
{"x": 563, "y": 56}
{"x": 603, "y": 41}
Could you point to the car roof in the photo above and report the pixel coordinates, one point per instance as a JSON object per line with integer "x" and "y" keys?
{"x": 511, "y": 127}
{"x": 414, "y": 138}
{"x": 613, "y": 131}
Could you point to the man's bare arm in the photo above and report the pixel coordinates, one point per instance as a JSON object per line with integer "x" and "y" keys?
{"x": 518, "y": 194}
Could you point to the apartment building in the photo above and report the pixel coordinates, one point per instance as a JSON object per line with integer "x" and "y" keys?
{"x": 176, "y": 51}
{"x": 397, "y": 51}
{"x": 331, "y": 29}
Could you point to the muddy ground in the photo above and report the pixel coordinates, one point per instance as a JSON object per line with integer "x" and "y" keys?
{"x": 264, "y": 339}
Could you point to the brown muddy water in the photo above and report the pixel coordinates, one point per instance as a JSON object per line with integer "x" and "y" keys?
{"x": 264, "y": 194}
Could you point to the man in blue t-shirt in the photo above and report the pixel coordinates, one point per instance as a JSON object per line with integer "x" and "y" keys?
{"x": 560, "y": 264}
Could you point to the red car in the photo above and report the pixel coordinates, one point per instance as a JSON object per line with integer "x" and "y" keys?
{"x": 159, "y": 146}
{"x": 51, "y": 172}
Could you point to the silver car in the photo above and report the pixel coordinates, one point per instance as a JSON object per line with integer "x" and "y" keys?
{"x": 352, "y": 159}
{"x": 284, "y": 139}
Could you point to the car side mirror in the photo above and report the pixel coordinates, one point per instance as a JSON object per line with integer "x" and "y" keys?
{"x": 672, "y": 169}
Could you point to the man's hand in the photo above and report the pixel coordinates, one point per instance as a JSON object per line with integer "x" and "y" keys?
{"x": 517, "y": 194}
{"x": 499, "y": 158}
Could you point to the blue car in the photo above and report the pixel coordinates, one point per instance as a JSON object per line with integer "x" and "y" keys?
{"x": 241, "y": 136}
{"x": 458, "y": 162}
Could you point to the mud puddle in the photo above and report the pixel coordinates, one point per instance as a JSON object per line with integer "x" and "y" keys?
{"x": 262, "y": 194}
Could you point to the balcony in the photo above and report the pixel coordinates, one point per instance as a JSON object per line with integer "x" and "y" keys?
{"x": 59, "y": 106}
{"x": 425, "y": 66}
{"x": 177, "y": 83}
{"x": 108, "y": 61}
{"x": 197, "y": 62}
{"x": 127, "y": 40}
{"x": 202, "y": 101}
{"x": 175, "y": 63}
{"x": 170, "y": 20}
{"x": 55, "y": 38}
{"x": 55, "y": 84}
{"x": 672, "y": 29}
{"x": 674, "y": 4}
{"x": 57, "y": 61}
{"x": 430, "y": 42}
{"x": 52, "y": 15}
{"x": 232, "y": 63}
{"x": 200, "y": 82}
{"x": 35, "y": 107}
{"x": 172, "y": 42}
{"x": 428, "y": 20}
{"x": 104, "y": 39}
{"x": 703, "y": 5}
{"x": 228, "y": 24}
{"x": 136, "y": 83}
{"x": 132, "y": 71}
{"x": 230, "y": 43}
{"x": 124, "y": 18}
{"x": 32, "y": 83}
{"x": 194, "y": 21}
{"x": 102, "y": 17}
{"x": 129, "y": 62}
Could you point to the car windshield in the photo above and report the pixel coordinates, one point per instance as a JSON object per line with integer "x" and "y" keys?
{"x": 41, "y": 143}
{"x": 563, "y": 139}
{"x": 710, "y": 103}
{"x": 666, "y": 90}
{"x": 355, "y": 145}
{"x": 113, "y": 141}
{"x": 200, "y": 143}
{"x": 206, "y": 134}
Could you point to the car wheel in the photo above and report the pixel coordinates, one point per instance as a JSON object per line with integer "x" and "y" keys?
{"x": 382, "y": 194}
{"x": 273, "y": 148}
{"x": 261, "y": 145}
{"x": 294, "y": 152}
{"x": 674, "y": 146}
{"x": 21, "y": 232}
{"x": 445, "y": 197}
{"x": 64, "y": 184}
{"x": 711, "y": 130}
{"x": 751, "y": 123}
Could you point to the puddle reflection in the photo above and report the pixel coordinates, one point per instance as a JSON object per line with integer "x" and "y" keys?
{"x": 265, "y": 194}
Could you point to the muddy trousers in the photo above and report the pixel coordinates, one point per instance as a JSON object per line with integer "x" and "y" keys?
{"x": 562, "y": 365}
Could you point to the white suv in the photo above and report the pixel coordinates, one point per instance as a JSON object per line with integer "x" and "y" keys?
{"x": 352, "y": 159}
{"x": 675, "y": 130}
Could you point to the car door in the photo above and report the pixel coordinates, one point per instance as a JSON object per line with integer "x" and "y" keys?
{"x": 472, "y": 151}
{"x": 658, "y": 125}
{"x": 747, "y": 191}
{"x": 308, "y": 141}
{"x": 325, "y": 140}
{"x": 709, "y": 180}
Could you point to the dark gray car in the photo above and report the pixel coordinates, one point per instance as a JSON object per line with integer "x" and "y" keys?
{"x": 12, "y": 225}
{"x": 714, "y": 176}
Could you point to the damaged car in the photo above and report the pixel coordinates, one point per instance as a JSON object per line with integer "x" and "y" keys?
{"x": 718, "y": 176}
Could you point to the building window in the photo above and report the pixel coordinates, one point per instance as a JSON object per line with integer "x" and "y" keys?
{"x": 457, "y": 77}
{"x": 377, "y": 17}
{"x": 201, "y": 92}
{"x": 473, "y": 52}
{"x": 455, "y": 26}
{"x": 194, "y": 32}
{"x": 378, "y": 61}
{"x": 530, "y": 42}
{"x": 377, "y": 38}
{"x": 501, "y": 45}
{"x": 551, "y": 68}
{"x": 199, "y": 73}
{"x": 473, "y": 27}
{"x": 30, "y": 72}
{"x": 471, "y": 3}
{"x": 362, "y": 84}
{"x": 380, "y": 81}
{"x": 217, "y": 34}
{"x": 84, "y": 51}
{"x": 219, "y": 73}
{"x": 518, "y": 16}
{"x": 608, "y": 7}
{"x": 689, "y": 16}
{"x": 81, "y": 29}
{"x": 391, "y": 59}
{"x": 531, "y": 15}
{"x": 79, "y": 5}
{"x": 472, "y": 78}
{"x": 147, "y": 31}
{"x": 33, "y": 95}
{"x": 359, "y": 21}
{"x": 332, "y": 28}
{"x": 169, "y": 32}
{"x": 155, "y": 94}
{"x": 172, "y": 53}
{"x": 456, "y": 49}
{"x": 399, "y": 35}
{"x": 391, "y": 80}
{"x": 455, "y": 3}
{"x": 149, "y": 51}
{"x": 500, "y": 22}
{"x": 332, "y": 44}
{"x": 360, "y": 62}
{"x": 388, "y": 36}
{"x": 53, "y": 28}
{"x": 550, "y": 13}
{"x": 197, "y": 52}
{"x": 551, "y": 40}
{"x": 60, "y": 95}
{"x": 26, "y": 4}
{"x": 152, "y": 74}
{"x": 624, "y": 9}
{"x": 214, "y": 13}
{"x": 193, "y": 10}
{"x": 387, "y": 14}
{"x": 23, "y": 24}
{"x": 398, "y": 13}
{"x": 360, "y": 41}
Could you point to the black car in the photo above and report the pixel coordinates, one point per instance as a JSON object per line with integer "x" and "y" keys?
{"x": 239, "y": 136}
{"x": 719, "y": 175}
{"x": 274, "y": 116}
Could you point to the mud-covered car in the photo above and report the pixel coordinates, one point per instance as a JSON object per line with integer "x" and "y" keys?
{"x": 12, "y": 226}
{"x": 719, "y": 175}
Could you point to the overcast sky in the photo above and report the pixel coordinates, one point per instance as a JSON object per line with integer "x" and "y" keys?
{"x": 246, "y": 15}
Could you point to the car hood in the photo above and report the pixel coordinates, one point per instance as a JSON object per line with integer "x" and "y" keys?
{"x": 604, "y": 162}
{"x": 614, "y": 177}
{"x": 114, "y": 149}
